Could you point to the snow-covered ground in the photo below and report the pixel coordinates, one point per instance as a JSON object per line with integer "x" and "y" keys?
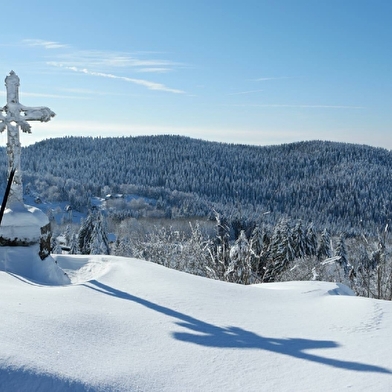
{"x": 130, "y": 325}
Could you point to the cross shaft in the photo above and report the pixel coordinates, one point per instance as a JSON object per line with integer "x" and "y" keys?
{"x": 15, "y": 116}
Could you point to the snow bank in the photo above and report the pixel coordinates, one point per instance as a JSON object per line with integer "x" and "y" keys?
{"x": 25, "y": 262}
{"x": 318, "y": 288}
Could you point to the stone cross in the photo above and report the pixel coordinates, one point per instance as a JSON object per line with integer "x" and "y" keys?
{"x": 13, "y": 116}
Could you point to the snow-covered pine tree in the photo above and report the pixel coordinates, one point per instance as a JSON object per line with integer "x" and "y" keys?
{"x": 55, "y": 246}
{"x": 341, "y": 250}
{"x": 194, "y": 252}
{"x": 240, "y": 267}
{"x": 73, "y": 245}
{"x": 84, "y": 235}
{"x": 99, "y": 241}
{"x": 343, "y": 262}
{"x": 115, "y": 247}
{"x": 92, "y": 233}
{"x": 67, "y": 234}
{"x": 324, "y": 249}
{"x": 383, "y": 265}
{"x": 311, "y": 240}
{"x": 256, "y": 245}
{"x": 220, "y": 252}
{"x": 281, "y": 251}
{"x": 299, "y": 240}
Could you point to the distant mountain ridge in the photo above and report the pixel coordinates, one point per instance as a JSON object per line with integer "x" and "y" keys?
{"x": 333, "y": 184}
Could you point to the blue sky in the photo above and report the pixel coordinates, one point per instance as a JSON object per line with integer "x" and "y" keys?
{"x": 254, "y": 72}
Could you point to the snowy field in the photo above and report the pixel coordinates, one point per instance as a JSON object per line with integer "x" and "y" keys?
{"x": 129, "y": 325}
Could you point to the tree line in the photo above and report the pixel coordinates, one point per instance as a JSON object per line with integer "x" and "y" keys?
{"x": 290, "y": 250}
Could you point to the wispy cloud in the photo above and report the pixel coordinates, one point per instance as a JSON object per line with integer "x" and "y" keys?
{"x": 106, "y": 64}
{"x": 79, "y": 91}
{"x": 273, "y": 78}
{"x": 146, "y": 83}
{"x": 246, "y": 92}
{"x": 154, "y": 70}
{"x": 60, "y": 96}
{"x": 45, "y": 44}
{"x": 87, "y": 92}
{"x": 41, "y": 95}
{"x": 103, "y": 60}
{"x": 82, "y": 91}
{"x": 302, "y": 106}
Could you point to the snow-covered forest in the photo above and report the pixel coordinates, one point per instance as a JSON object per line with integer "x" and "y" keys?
{"x": 244, "y": 214}
{"x": 344, "y": 187}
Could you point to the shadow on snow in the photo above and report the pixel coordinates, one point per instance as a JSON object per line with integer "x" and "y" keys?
{"x": 25, "y": 380}
{"x": 209, "y": 335}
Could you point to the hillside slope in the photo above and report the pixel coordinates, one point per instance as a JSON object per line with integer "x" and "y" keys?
{"x": 129, "y": 325}
{"x": 342, "y": 186}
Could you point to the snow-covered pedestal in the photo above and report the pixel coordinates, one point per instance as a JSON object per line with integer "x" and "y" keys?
{"x": 25, "y": 245}
{"x": 23, "y": 225}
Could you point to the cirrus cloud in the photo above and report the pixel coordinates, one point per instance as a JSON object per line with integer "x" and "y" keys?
{"x": 142, "y": 82}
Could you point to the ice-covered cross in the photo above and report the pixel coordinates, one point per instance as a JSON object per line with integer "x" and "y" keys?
{"x": 13, "y": 116}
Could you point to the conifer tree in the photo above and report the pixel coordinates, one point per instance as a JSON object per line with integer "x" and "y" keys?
{"x": 55, "y": 246}
{"x": 67, "y": 235}
{"x": 194, "y": 252}
{"x": 311, "y": 241}
{"x": 240, "y": 267}
{"x": 324, "y": 249}
{"x": 220, "y": 252}
{"x": 92, "y": 235}
{"x": 99, "y": 241}
{"x": 341, "y": 251}
{"x": 343, "y": 260}
{"x": 256, "y": 245}
{"x": 73, "y": 245}
{"x": 299, "y": 241}
{"x": 281, "y": 251}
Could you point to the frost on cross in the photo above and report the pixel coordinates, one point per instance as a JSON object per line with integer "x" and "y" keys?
{"x": 13, "y": 116}
{"x": 24, "y": 229}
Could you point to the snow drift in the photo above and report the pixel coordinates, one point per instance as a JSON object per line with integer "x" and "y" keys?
{"x": 130, "y": 325}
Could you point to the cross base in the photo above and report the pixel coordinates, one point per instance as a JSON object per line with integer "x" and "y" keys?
{"x": 26, "y": 226}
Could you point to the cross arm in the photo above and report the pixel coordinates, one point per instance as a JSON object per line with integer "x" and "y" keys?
{"x": 39, "y": 113}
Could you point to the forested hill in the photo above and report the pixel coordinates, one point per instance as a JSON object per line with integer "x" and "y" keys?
{"x": 336, "y": 184}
